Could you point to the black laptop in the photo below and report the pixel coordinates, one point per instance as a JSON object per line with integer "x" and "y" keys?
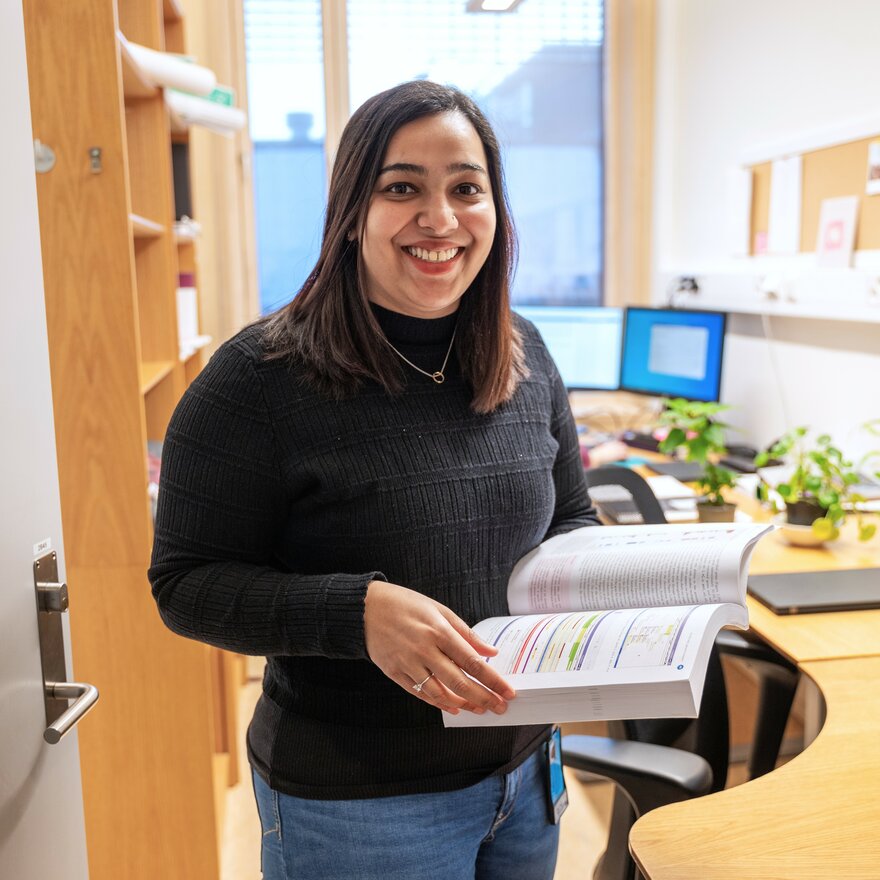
{"x": 805, "y": 592}
{"x": 686, "y": 471}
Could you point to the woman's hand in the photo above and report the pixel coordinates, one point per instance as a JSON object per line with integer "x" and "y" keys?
{"x": 410, "y": 637}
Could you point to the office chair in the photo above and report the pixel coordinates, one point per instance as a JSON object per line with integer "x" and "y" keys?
{"x": 777, "y": 677}
{"x": 646, "y": 776}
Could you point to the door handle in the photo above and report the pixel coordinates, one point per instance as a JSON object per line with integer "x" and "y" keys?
{"x": 51, "y": 604}
{"x": 84, "y": 696}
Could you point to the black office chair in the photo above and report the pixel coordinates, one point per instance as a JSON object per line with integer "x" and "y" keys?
{"x": 709, "y": 737}
{"x": 646, "y": 776}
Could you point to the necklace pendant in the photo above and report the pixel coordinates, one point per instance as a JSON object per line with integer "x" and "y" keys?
{"x": 438, "y": 377}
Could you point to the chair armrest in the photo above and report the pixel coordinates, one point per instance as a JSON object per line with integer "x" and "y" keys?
{"x": 736, "y": 644}
{"x": 649, "y": 775}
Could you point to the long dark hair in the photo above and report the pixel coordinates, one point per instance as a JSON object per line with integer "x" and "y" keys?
{"x": 329, "y": 327}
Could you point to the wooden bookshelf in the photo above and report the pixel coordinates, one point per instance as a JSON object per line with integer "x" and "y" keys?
{"x": 151, "y": 756}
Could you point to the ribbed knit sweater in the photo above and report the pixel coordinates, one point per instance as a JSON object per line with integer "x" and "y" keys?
{"x": 278, "y": 506}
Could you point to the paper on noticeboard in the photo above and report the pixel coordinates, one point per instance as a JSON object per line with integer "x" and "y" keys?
{"x": 837, "y": 232}
{"x": 784, "y": 234}
{"x": 872, "y": 185}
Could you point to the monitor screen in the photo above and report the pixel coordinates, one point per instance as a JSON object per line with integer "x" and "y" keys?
{"x": 584, "y": 341}
{"x": 673, "y": 353}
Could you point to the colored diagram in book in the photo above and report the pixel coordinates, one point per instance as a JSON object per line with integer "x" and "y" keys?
{"x": 549, "y": 643}
{"x": 652, "y": 638}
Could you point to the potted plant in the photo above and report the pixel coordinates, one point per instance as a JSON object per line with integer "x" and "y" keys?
{"x": 818, "y": 493}
{"x": 695, "y": 430}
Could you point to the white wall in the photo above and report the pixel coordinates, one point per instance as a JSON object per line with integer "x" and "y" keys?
{"x": 733, "y": 75}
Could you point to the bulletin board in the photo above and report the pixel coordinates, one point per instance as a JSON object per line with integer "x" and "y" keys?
{"x": 840, "y": 170}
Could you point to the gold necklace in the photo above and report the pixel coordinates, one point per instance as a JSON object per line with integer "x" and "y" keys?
{"x": 438, "y": 377}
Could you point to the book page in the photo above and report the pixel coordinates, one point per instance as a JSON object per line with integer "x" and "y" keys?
{"x": 635, "y": 567}
{"x": 600, "y": 642}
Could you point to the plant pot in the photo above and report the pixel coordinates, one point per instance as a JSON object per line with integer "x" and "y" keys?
{"x": 797, "y": 535}
{"x": 804, "y": 512}
{"x": 715, "y": 513}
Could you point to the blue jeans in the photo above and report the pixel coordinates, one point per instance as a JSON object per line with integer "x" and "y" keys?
{"x": 494, "y": 830}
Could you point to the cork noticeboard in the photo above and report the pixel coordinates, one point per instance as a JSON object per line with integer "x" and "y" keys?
{"x": 835, "y": 171}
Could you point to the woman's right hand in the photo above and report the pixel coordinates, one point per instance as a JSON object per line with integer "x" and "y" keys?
{"x": 410, "y": 637}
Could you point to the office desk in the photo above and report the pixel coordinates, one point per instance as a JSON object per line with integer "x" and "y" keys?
{"x": 805, "y": 637}
{"x": 815, "y": 818}
{"x": 818, "y": 816}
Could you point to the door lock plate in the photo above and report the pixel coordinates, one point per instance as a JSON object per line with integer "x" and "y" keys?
{"x": 51, "y": 603}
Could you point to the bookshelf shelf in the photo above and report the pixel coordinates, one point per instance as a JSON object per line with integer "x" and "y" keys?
{"x": 153, "y": 372}
{"x": 192, "y": 347}
{"x": 141, "y": 227}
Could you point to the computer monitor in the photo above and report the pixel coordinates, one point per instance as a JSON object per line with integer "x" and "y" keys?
{"x": 673, "y": 353}
{"x": 584, "y": 341}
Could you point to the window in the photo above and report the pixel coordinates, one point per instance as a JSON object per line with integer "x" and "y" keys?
{"x": 285, "y": 71}
{"x": 537, "y": 74}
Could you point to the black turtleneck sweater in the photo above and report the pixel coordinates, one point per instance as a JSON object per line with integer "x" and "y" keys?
{"x": 278, "y": 506}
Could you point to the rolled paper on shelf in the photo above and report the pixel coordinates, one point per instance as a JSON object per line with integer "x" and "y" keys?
{"x": 191, "y": 110}
{"x": 166, "y": 70}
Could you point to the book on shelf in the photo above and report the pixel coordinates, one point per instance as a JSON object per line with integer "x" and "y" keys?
{"x": 154, "y": 465}
{"x": 610, "y": 623}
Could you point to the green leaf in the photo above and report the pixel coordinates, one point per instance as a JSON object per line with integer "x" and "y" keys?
{"x": 813, "y": 484}
{"x": 824, "y": 529}
{"x": 867, "y": 531}
{"x": 715, "y": 437}
{"x": 827, "y": 498}
{"x": 672, "y": 441}
{"x": 784, "y": 490}
{"x": 699, "y": 449}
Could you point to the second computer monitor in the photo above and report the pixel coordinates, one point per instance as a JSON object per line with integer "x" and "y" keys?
{"x": 673, "y": 353}
{"x": 584, "y": 341}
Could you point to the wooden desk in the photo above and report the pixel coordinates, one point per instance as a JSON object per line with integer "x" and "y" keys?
{"x": 815, "y": 818}
{"x": 805, "y": 637}
{"x": 818, "y": 816}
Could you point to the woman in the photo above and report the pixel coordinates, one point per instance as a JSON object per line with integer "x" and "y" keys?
{"x": 346, "y": 488}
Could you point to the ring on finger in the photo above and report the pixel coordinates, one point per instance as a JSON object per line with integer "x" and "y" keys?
{"x": 419, "y": 685}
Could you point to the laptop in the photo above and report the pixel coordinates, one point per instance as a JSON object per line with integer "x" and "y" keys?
{"x": 686, "y": 471}
{"x": 806, "y": 592}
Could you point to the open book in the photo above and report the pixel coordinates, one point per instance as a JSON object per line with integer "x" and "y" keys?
{"x": 617, "y": 622}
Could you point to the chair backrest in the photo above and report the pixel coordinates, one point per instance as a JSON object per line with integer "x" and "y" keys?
{"x": 645, "y": 500}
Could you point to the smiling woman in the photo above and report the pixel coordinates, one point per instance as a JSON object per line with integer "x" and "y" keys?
{"x": 418, "y": 173}
{"x": 346, "y": 488}
{"x": 431, "y": 222}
